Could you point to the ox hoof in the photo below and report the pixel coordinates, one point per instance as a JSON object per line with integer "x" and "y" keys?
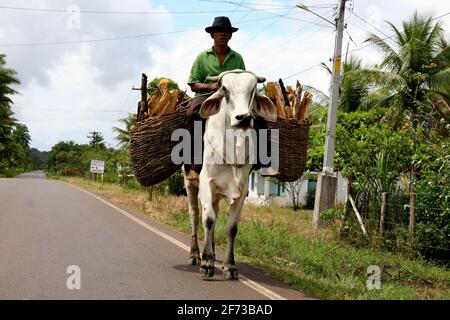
{"x": 231, "y": 275}
{"x": 207, "y": 272}
{"x": 194, "y": 261}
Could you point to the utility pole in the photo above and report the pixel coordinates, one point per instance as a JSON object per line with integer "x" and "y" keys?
{"x": 327, "y": 180}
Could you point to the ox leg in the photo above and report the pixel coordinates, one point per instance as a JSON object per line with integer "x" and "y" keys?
{"x": 209, "y": 221}
{"x": 192, "y": 192}
{"x": 229, "y": 266}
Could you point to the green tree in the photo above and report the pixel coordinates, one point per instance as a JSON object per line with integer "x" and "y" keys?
{"x": 65, "y": 158}
{"x": 8, "y": 149}
{"x": 22, "y": 136}
{"x": 415, "y": 70}
{"x": 21, "y": 143}
{"x": 353, "y": 91}
{"x": 123, "y": 134}
{"x": 96, "y": 140}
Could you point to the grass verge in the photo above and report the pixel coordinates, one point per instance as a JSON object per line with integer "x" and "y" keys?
{"x": 282, "y": 242}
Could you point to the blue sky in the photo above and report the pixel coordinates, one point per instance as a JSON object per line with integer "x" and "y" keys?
{"x": 69, "y": 89}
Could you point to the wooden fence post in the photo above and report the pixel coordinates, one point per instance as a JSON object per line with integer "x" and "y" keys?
{"x": 150, "y": 193}
{"x": 412, "y": 214}
{"x": 347, "y": 207}
{"x": 358, "y": 216}
{"x": 383, "y": 211}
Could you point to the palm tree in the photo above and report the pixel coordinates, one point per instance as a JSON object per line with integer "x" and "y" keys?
{"x": 354, "y": 92}
{"x": 21, "y": 135}
{"x": 123, "y": 135}
{"x": 415, "y": 70}
{"x": 8, "y": 77}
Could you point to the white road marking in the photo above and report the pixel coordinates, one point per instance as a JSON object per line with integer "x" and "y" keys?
{"x": 243, "y": 279}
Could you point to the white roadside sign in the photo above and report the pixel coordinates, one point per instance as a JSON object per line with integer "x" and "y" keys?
{"x": 97, "y": 166}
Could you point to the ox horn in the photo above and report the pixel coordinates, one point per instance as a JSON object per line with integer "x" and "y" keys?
{"x": 213, "y": 78}
{"x": 260, "y": 79}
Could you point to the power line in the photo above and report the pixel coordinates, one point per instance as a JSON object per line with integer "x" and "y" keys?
{"x": 123, "y": 37}
{"x": 118, "y": 12}
{"x": 94, "y": 40}
{"x": 290, "y": 37}
{"x": 182, "y": 61}
{"x": 368, "y": 23}
{"x": 244, "y": 16}
{"x": 268, "y": 26}
{"x": 302, "y": 71}
{"x": 67, "y": 110}
{"x": 319, "y": 6}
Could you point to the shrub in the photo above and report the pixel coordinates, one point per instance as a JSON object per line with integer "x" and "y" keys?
{"x": 310, "y": 198}
{"x": 175, "y": 184}
{"x": 433, "y": 211}
{"x": 72, "y": 172}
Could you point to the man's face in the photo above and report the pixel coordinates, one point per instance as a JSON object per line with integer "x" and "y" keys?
{"x": 221, "y": 38}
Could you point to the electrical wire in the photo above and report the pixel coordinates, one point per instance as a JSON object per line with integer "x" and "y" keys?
{"x": 118, "y": 12}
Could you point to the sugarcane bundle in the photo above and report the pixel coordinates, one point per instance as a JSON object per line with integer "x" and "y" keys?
{"x": 290, "y": 137}
{"x": 289, "y": 103}
{"x": 164, "y": 100}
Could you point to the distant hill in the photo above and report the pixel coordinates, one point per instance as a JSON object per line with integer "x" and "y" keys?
{"x": 38, "y": 159}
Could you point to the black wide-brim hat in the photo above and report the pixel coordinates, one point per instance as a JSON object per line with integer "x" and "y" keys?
{"x": 221, "y": 24}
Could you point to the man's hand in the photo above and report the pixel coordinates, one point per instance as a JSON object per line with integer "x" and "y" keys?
{"x": 214, "y": 86}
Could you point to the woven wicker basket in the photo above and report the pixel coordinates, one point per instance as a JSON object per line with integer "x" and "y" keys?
{"x": 151, "y": 147}
{"x": 292, "y": 145}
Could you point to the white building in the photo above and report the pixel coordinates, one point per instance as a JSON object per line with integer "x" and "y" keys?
{"x": 263, "y": 189}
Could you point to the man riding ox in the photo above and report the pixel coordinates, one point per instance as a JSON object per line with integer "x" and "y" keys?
{"x": 226, "y": 104}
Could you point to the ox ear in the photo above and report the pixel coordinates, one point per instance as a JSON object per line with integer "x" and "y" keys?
{"x": 260, "y": 79}
{"x": 211, "y": 106}
{"x": 265, "y": 108}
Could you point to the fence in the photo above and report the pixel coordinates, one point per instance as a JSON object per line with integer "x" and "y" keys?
{"x": 402, "y": 220}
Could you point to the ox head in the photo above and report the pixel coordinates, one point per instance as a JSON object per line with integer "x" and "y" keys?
{"x": 240, "y": 98}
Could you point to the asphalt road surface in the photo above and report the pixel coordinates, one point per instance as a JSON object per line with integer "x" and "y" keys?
{"x": 60, "y": 242}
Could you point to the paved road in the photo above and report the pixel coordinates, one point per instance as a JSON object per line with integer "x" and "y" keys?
{"x": 47, "y": 226}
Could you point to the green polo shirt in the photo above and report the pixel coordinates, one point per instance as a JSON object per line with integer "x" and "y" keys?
{"x": 208, "y": 64}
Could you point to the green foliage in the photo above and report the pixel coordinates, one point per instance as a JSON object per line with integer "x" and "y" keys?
{"x": 14, "y": 136}
{"x": 316, "y": 141}
{"x": 371, "y": 154}
{"x": 433, "y": 209}
{"x": 9, "y": 173}
{"x": 96, "y": 140}
{"x": 310, "y": 199}
{"x": 38, "y": 159}
{"x": 416, "y": 69}
{"x": 123, "y": 134}
{"x": 71, "y": 159}
{"x": 332, "y": 214}
{"x": 175, "y": 184}
{"x": 152, "y": 86}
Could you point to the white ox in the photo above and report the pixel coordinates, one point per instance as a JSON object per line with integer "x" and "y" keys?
{"x": 232, "y": 107}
